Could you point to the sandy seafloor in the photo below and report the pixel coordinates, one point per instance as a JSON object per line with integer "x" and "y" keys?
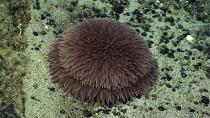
{"x": 183, "y": 85}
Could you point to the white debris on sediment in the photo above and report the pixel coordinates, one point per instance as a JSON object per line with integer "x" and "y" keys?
{"x": 189, "y": 38}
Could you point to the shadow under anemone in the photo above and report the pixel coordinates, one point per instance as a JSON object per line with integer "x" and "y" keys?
{"x": 104, "y": 61}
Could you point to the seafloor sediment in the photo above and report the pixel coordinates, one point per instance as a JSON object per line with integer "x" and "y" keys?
{"x": 177, "y": 33}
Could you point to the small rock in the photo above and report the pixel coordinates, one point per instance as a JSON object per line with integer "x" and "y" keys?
{"x": 189, "y": 38}
{"x": 161, "y": 108}
{"x": 87, "y": 113}
{"x": 189, "y": 98}
{"x": 178, "y": 107}
{"x": 205, "y": 100}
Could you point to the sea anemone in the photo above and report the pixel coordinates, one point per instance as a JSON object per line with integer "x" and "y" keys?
{"x": 104, "y": 61}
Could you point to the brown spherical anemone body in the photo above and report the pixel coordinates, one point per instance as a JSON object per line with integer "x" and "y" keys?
{"x": 102, "y": 60}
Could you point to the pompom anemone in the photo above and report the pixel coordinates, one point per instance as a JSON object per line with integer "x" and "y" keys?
{"x": 104, "y": 61}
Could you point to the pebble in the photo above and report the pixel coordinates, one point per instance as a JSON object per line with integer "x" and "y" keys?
{"x": 118, "y": 9}
{"x": 35, "y": 33}
{"x": 189, "y": 98}
{"x": 164, "y": 49}
{"x": 189, "y": 38}
{"x": 87, "y": 113}
{"x": 205, "y": 100}
{"x": 178, "y": 107}
{"x": 161, "y": 108}
{"x": 46, "y": 27}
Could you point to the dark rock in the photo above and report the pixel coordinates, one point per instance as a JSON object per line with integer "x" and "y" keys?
{"x": 51, "y": 22}
{"x": 149, "y": 43}
{"x": 144, "y": 34}
{"x": 168, "y": 77}
{"x": 62, "y": 111}
{"x": 146, "y": 11}
{"x": 36, "y": 48}
{"x": 137, "y": 13}
{"x": 180, "y": 26}
{"x": 183, "y": 74}
{"x": 87, "y": 113}
{"x": 37, "y": 5}
{"x": 43, "y": 16}
{"x": 74, "y": 2}
{"x": 161, "y": 108}
{"x": 106, "y": 111}
{"x": 118, "y": 9}
{"x": 169, "y": 19}
{"x": 170, "y": 55}
{"x": 168, "y": 85}
{"x": 43, "y": 33}
{"x": 191, "y": 1}
{"x": 35, "y": 33}
{"x": 191, "y": 110}
{"x": 164, "y": 49}
{"x": 205, "y": 100}
{"x": 51, "y": 88}
{"x": 198, "y": 47}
